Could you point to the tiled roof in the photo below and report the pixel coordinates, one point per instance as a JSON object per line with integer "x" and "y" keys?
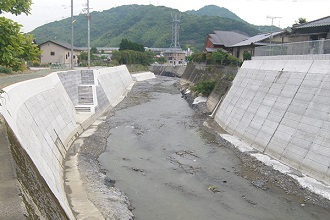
{"x": 226, "y": 38}
{"x": 256, "y": 39}
{"x": 65, "y": 45}
{"x": 211, "y": 50}
{"x": 317, "y": 23}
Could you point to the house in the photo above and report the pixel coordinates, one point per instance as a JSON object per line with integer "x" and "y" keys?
{"x": 60, "y": 53}
{"x": 308, "y": 38}
{"x": 314, "y": 30}
{"x": 251, "y": 43}
{"x": 222, "y": 40}
{"x": 175, "y": 56}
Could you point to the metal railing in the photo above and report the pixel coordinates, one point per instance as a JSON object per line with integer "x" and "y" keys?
{"x": 298, "y": 48}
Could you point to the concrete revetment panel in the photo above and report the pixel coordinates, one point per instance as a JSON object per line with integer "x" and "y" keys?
{"x": 283, "y": 111}
{"x": 42, "y": 114}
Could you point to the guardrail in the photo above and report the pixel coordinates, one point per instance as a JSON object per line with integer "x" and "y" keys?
{"x": 298, "y": 48}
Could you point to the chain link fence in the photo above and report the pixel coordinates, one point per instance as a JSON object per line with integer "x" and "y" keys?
{"x": 298, "y": 48}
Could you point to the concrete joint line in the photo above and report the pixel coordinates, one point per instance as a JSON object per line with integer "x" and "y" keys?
{"x": 279, "y": 75}
{"x": 319, "y": 128}
{"x": 287, "y": 110}
{"x": 58, "y": 140}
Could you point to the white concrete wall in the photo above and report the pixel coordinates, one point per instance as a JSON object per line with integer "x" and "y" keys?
{"x": 281, "y": 107}
{"x": 143, "y": 76}
{"x": 43, "y": 118}
{"x": 114, "y": 82}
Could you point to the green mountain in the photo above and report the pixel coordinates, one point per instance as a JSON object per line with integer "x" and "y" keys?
{"x": 144, "y": 24}
{"x": 213, "y": 10}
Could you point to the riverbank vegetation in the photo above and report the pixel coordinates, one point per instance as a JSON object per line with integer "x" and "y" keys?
{"x": 216, "y": 58}
{"x": 205, "y": 87}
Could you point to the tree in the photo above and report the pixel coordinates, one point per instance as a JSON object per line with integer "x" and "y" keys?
{"x": 301, "y": 21}
{"x": 16, "y": 7}
{"x": 133, "y": 57}
{"x": 129, "y": 45}
{"x": 218, "y": 57}
{"x": 15, "y": 47}
{"x": 83, "y": 58}
{"x": 247, "y": 55}
{"x": 93, "y": 50}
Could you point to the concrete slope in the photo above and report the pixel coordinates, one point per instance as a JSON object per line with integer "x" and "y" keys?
{"x": 281, "y": 107}
{"x": 44, "y": 116}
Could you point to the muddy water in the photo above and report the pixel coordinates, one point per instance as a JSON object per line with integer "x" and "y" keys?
{"x": 159, "y": 157}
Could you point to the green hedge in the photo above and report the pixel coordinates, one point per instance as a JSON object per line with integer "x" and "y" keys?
{"x": 5, "y": 70}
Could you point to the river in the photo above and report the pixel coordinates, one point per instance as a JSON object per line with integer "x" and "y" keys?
{"x": 171, "y": 169}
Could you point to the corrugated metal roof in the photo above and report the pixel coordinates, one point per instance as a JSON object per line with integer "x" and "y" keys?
{"x": 256, "y": 39}
{"x": 317, "y": 23}
{"x": 226, "y": 38}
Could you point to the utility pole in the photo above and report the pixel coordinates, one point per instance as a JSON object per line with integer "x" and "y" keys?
{"x": 71, "y": 34}
{"x": 88, "y": 36}
{"x": 271, "y": 27}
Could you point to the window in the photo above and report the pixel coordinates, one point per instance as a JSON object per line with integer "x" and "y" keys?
{"x": 52, "y": 53}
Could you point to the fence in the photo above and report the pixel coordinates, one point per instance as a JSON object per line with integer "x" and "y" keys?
{"x": 298, "y": 48}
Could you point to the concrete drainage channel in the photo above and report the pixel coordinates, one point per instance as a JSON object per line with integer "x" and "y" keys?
{"x": 156, "y": 151}
{"x": 79, "y": 199}
{"x": 44, "y": 121}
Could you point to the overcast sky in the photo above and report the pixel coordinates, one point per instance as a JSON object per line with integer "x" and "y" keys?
{"x": 252, "y": 11}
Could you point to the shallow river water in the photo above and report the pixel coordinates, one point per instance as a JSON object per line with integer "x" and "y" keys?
{"x": 171, "y": 169}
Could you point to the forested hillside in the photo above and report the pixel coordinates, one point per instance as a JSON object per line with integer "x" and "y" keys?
{"x": 213, "y": 10}
{"x": 148, "y": 25}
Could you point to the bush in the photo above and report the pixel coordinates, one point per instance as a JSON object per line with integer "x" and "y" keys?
{"x": 36, "y": 63}
{"x": 218, "y": 57}
{"x": 205, "y": 87}
{"x": 247, "y": 55}
{"x": 5, "y": 70}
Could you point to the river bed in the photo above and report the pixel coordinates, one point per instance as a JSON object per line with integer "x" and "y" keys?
{"x": 169, "y": 168}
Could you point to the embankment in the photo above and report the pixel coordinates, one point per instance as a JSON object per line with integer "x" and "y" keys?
{"x": 44, "y": 116}
{"x": 281, "y": 107}
{"x": 223, "y": 76}
{"x": 167, "y": 70}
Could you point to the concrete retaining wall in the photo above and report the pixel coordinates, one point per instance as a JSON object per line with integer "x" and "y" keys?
{"x": 281, "y": 107}
{"x": 41, "y": 113}
{"x": 143, "y": 76}
{"x": 167, "y": 70}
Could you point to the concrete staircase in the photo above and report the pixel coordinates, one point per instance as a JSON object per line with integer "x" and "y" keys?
{"x": 87, "y": 100}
